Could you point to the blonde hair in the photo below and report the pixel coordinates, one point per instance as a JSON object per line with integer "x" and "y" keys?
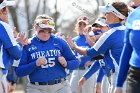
{"x": 76, "y": 29}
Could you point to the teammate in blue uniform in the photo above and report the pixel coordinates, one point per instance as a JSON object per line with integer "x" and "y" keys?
{"x": 112, "y": 40}
{"x": 130, "y": 58}
{"x": 82, "y": 40}
{"x": 106, "y": 65}
{"x": 9, "y": 49}
{"x": 45, "y": 60}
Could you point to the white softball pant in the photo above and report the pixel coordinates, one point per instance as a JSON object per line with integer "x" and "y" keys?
{"x": 62, "y": 87}
{"x": 89, "y": 85}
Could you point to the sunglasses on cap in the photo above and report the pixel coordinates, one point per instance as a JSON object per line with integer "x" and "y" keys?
{"x": 45, "y": 23}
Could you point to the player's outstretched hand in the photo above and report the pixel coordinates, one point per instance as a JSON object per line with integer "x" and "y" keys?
{"x": 41, "y": 61}
{"x": 22, "y": 39}
{"x": 81, "y": 82}
{"x": 62, "y": 60}
{"x": 118, "y": 90}
{"x": 70, "y": 42}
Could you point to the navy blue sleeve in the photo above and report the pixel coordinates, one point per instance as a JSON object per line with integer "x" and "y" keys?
{"x": 15, "y": 52}
{"x": 72, "y": 62}
{"x": 94, "y": 67}
{"x": 24, "y": 68}
{"x": 100, "y": 76}
{"x": 124, "y": 61}
{"x": 101, "y": 46}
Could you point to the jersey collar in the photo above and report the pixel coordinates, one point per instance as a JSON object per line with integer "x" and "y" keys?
{"x": 114, "y": 25}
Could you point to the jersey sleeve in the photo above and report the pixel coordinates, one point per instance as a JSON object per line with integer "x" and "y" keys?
{"x": 100, "y": 75}
{"x": 124, "y": 60}
{"x": 94, "y": 67}
{"x": 24, "y": 68}
{"x": 101, "y": 46}
{"x": 6, "y": 35}
{"x": 72, "y": 62}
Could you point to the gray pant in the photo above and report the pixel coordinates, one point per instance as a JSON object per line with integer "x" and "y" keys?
{"x": 3, "y": 83}
{"x": 89, "y": 85}
{"x": 62, "y": 87}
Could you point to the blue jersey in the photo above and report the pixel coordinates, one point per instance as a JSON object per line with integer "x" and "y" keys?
{"x": 111, "y": 40}
{"x": 8, "y": 46}
{"x": 131, "y": 51}
{"x": 97, "y": 32}
{"x": 49, "y": 49}
{"x": 105, "y": 65}
{"x": 80, "y": 41}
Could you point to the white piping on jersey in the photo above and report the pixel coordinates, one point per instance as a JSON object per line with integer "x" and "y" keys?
{"x": 106, "y": 35}
{"x": 9, "y": 31}
{"x": 1, "y": 57}
{"x": 114, "y": 61}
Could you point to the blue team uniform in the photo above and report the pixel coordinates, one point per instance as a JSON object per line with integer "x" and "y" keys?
{"x": 110, "y": 44}
{"x": 131, "y": 51}
{"x": 80, "y": 41}
{"x": 49, "y": 49}
{"x": 97, "y": 32}
{"x": 105, "y": 65}
{"x": 111, "y": 40}
{"x": 9, "y": 49}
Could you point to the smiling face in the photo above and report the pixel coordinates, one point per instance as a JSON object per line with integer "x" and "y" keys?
{"x": 43, "y": 33}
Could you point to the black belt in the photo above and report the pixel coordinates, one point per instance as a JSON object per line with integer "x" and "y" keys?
{"x": 52, "y": 82}
{"x": 83, "y": 68}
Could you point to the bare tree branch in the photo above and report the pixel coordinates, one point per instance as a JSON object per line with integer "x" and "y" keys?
{"x": 44, "y": 8}
{"x": 13, "y": 13}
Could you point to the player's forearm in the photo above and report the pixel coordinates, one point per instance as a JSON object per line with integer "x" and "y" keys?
{"x": 73, "y": 64}
{"x": 80, "y": 50}
{"x": 90, "y": 41}
{"x": 15, "y": 52}
{"x": 94, "y": 67}
{"x": 24, "y": 70}
{"x": 100, "y": 76}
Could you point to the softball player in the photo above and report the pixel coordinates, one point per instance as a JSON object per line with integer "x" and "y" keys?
{"x": 111, "y": 40}
{"x": 45, "y": 60}
{"x": 8, "y": 45}
{"x": 129, "y": 63}
{"x": 85, "y": 62}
